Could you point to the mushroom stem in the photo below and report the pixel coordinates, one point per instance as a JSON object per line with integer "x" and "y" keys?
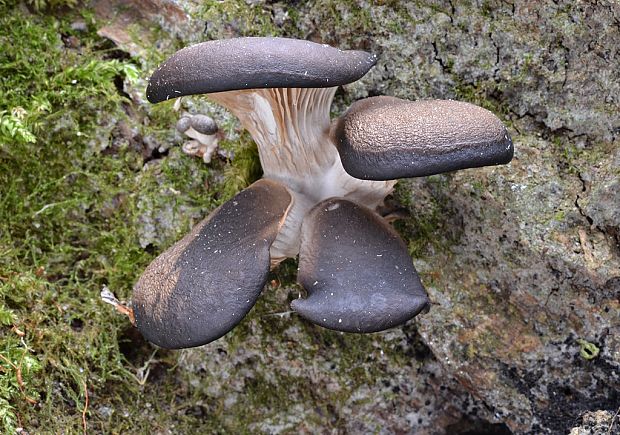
{"x": 291, "y": 127}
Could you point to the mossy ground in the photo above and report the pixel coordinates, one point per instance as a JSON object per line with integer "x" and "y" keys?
{"x": 76, "y": 181}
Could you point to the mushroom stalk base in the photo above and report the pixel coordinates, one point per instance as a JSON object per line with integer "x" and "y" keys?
{"x": 291, "y": 128}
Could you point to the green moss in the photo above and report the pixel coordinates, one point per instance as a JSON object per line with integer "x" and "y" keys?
{"x": 478, "y": 94}
{"x": 576, "y": 158}
{"x": 244, "y": 168}
{"x": 425, "y": 229}
{"x": 560, "y": 216}
{"x": 70, "y": 218}
{"x": 42, "y": 4}
{"x": 237, "y": 17}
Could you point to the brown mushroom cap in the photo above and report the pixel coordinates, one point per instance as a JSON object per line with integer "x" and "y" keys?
{"x": 201, "y": 287}
{"x": 356, "y": 269}
{"x": 249, "y": 63}
{"x": 385, "y": 138}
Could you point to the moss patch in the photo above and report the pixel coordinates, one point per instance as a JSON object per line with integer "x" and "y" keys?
{"x": 73, "y": 183}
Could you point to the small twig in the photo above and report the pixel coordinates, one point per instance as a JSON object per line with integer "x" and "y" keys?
{"x": 58, "y": 307}
{"x": 23, "y": 342}
{"x": 17, "y": 331}
{"x": 9, "y": 275}
{"x": 280, "y": 314}
{"x": 8, "y": 361}
{"x": 108, "y": 297}
{"x": 613, "y": 420}
{"x": 46, "y": 206}
{"x": 142, "y": 374}
{"x": 177, "y": 104}
{"x": 20, "y": 380}
{"x": 85, "y": 407}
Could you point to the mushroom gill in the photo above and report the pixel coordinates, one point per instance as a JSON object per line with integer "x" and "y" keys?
{"x": 291, "y": 127}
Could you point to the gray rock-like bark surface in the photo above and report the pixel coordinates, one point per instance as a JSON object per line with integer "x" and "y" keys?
{"x": 522, "y": 262}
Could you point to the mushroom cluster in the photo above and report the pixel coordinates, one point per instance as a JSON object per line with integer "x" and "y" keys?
{"x": 202, "y": 130}
{"x": 323, "y": 185}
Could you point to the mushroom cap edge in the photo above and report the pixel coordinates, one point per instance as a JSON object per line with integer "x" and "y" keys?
{"x": 255, "y": 62}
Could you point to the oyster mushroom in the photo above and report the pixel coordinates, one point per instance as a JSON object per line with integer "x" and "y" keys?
{"x": 356, "y": 269}
{"x": 202, "y": 129}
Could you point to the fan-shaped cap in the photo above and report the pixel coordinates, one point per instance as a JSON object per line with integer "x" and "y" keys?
{"x": 356, "y": 269}
{"x": 249, "y": 63}
{"x": 201, "y": 287}
{"x": 385, "y": 138}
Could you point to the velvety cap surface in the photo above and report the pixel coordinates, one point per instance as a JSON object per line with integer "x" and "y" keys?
{"x": 201, "y": 287}
{"x": 248, "y": 63}
{"x": 356, "y": 269}
{"x": 385, "y": 138}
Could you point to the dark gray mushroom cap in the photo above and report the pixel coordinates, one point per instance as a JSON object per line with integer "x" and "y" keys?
{"x": 201, "y": 287}
{"x": 385, "y": 138}
{"x": 183, "y": 124}
{"x": 356, "y": 269}
{"x": 249, "y": 63}
{"x": 203, "y": 124}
